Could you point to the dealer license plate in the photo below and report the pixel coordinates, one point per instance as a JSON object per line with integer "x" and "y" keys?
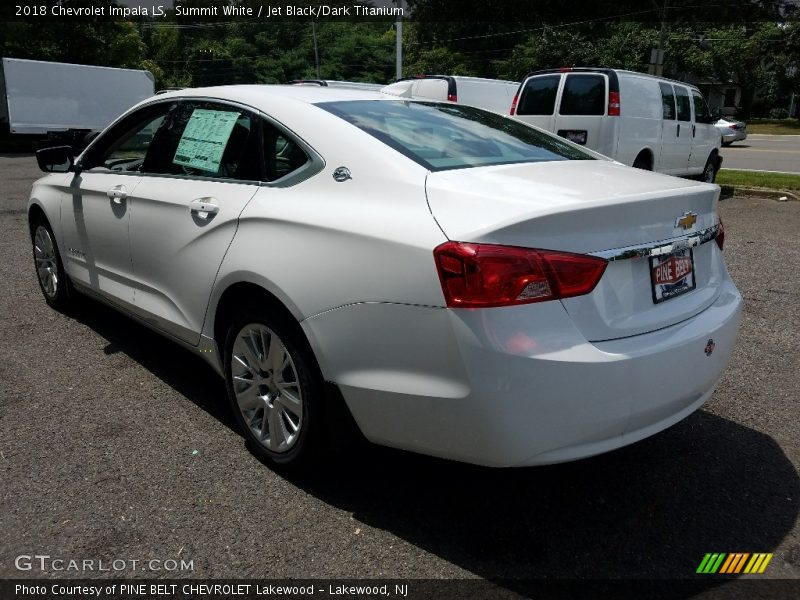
{"x": 672, "y": 274}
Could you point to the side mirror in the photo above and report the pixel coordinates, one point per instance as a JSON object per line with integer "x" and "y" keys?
{"x": 59, "y": 159}
{"x": 716, "y": 114}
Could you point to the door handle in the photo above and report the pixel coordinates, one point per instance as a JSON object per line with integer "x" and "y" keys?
{"x": 679, "y": 130}
{"x": 118, "y": 194}
{"x": 204, "y": 208}
{"x": 693, "y": 128}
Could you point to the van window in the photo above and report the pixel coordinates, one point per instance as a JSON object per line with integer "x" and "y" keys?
{"x": 667, "y": 101}
{"x": 684, "y": 106}
{"x": 584, "y": 95}
{"x": 700, "y": 107}
{"x": 539, "y": 96}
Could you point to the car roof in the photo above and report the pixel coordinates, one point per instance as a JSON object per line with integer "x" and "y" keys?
{"x": 263, "y": 95}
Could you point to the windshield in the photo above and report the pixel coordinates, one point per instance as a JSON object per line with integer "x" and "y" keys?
{"x": 451, "y": 136}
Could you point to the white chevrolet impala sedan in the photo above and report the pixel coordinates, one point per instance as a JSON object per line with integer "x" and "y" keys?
{"x": 472, "y": 287}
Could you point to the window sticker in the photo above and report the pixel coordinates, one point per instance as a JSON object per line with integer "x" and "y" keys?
{"x": 204, "y": 139}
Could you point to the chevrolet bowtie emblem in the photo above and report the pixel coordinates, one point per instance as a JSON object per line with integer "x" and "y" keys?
{"x": 686, "y": 220}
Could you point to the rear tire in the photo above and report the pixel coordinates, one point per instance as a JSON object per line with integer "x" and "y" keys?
{"x": 52, "y": 278}
{"x": 275, "y": 389}
{"x": 643, "y": 162}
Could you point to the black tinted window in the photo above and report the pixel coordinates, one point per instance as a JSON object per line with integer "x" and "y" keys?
{"x": 539, "y": 96}
{"x": 281, "y": 153}
{"x": 667, "y": 101}
{"x": 452, "y": 136}
{"x": 584, "y": 95}
{"x": 206, "y": 139}
{"x": 684, "y": 106}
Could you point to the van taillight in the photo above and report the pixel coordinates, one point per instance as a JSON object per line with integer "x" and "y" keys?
{"x": 489, "y": 275}
{"x": 613, "y": 104}
{"x": 452, "y": 98}
{"x": 513, "y": 110}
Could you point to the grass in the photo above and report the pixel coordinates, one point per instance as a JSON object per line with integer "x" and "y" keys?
{"x": 773, "y": 181}
{"x": 774, "y": 126}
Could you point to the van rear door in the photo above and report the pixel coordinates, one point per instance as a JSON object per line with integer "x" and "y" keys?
{"x": 582, "y": 112}
{"x": 537, "y": 101}
{"x": 705, "y": 136}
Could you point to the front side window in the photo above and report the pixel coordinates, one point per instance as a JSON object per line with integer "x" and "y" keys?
{"x": 123, "y": 147}
{"x": 584, "y": 95}
{"x": 667, "y": 101}
{"x": 446, "y": 136}
{"x": 684, "y": 104}
{"x": 701, "y": 111}
{"x": 539, "y": 96}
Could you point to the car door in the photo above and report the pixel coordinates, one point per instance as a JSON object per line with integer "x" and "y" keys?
{"x": 95, "y": 213}
{"x": 684, "y": 129}
{"x": 203, "y": 169}
{"x": 537, "y": 101}
{"x": 705, "y": 136}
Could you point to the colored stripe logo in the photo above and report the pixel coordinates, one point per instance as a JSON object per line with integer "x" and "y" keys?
{"x": 734, "y": 563}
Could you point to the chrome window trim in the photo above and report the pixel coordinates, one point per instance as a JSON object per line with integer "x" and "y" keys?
{"x": 661, "y": 247}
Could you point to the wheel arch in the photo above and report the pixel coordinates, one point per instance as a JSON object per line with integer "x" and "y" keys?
{"x": 253, "y": 290}
{"x": 647, "y": 154}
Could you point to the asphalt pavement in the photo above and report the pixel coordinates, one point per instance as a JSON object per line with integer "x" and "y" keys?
{"x": 116, "y": 443}
{"x": 764, "y": 153}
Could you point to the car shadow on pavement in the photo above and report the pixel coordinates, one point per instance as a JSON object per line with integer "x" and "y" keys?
{"x": 648, "y": 511}
{"x": 183, "y": 371}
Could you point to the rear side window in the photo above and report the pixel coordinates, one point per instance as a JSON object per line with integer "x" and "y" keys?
{"x": 208, "y": 140}
{"x": 584, "y": 95}
{"x": 281, "y": 153}
{"x": 667, "y": 101}
{"x": 539, "y": 96}
{"x": 452, "y": 136}
{"x": 684, "y": 105}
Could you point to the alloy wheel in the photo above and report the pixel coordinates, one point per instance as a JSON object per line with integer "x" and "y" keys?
{"x": 44, "y": 254}
{"x": 267, "y": 387}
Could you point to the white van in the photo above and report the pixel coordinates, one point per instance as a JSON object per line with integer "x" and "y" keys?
{"x": 640, "y": 120}
{"x": 490, "y": 94}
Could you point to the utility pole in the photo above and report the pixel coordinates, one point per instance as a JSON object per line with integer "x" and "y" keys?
{"x": 657, "y": 55}
{"x": 316, "y": 51}
{"x": 398, "y": 70}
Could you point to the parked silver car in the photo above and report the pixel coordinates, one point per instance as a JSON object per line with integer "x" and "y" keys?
{"x": 731, "y": 130}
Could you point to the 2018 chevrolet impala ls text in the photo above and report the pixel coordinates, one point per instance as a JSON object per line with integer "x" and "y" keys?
{"x": 476, "y": 288}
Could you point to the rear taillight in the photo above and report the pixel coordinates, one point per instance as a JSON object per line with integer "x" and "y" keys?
{"x": 513, "y": 110}
{"x": 613, "y": 104}
{"x": 734, "y": 126}
{"x": 721, "y": 235}
{"x": 452, "y": 98}
{"x": 488, "y": 275}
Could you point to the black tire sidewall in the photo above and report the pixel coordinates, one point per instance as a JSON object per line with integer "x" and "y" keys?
{"x": 306, "y": 448}
{"x": 710, "y": 163}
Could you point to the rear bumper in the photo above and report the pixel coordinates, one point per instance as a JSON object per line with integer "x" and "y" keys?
{"x": 516, "y": 386}
{"x": 734, "y": 136}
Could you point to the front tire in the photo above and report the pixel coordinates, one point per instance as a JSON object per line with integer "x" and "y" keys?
{"x": 275, "y": 389}
{"x": 50, "y": 273}
{"x": 710, "y": 170}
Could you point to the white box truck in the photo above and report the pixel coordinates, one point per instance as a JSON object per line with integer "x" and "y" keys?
{"x": 40, "y": 97}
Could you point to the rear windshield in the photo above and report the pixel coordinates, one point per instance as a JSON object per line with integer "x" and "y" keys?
{"x": 449, "y": 136}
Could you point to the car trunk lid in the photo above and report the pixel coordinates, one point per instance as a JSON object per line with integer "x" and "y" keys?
{"x": 594, "y": 207}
